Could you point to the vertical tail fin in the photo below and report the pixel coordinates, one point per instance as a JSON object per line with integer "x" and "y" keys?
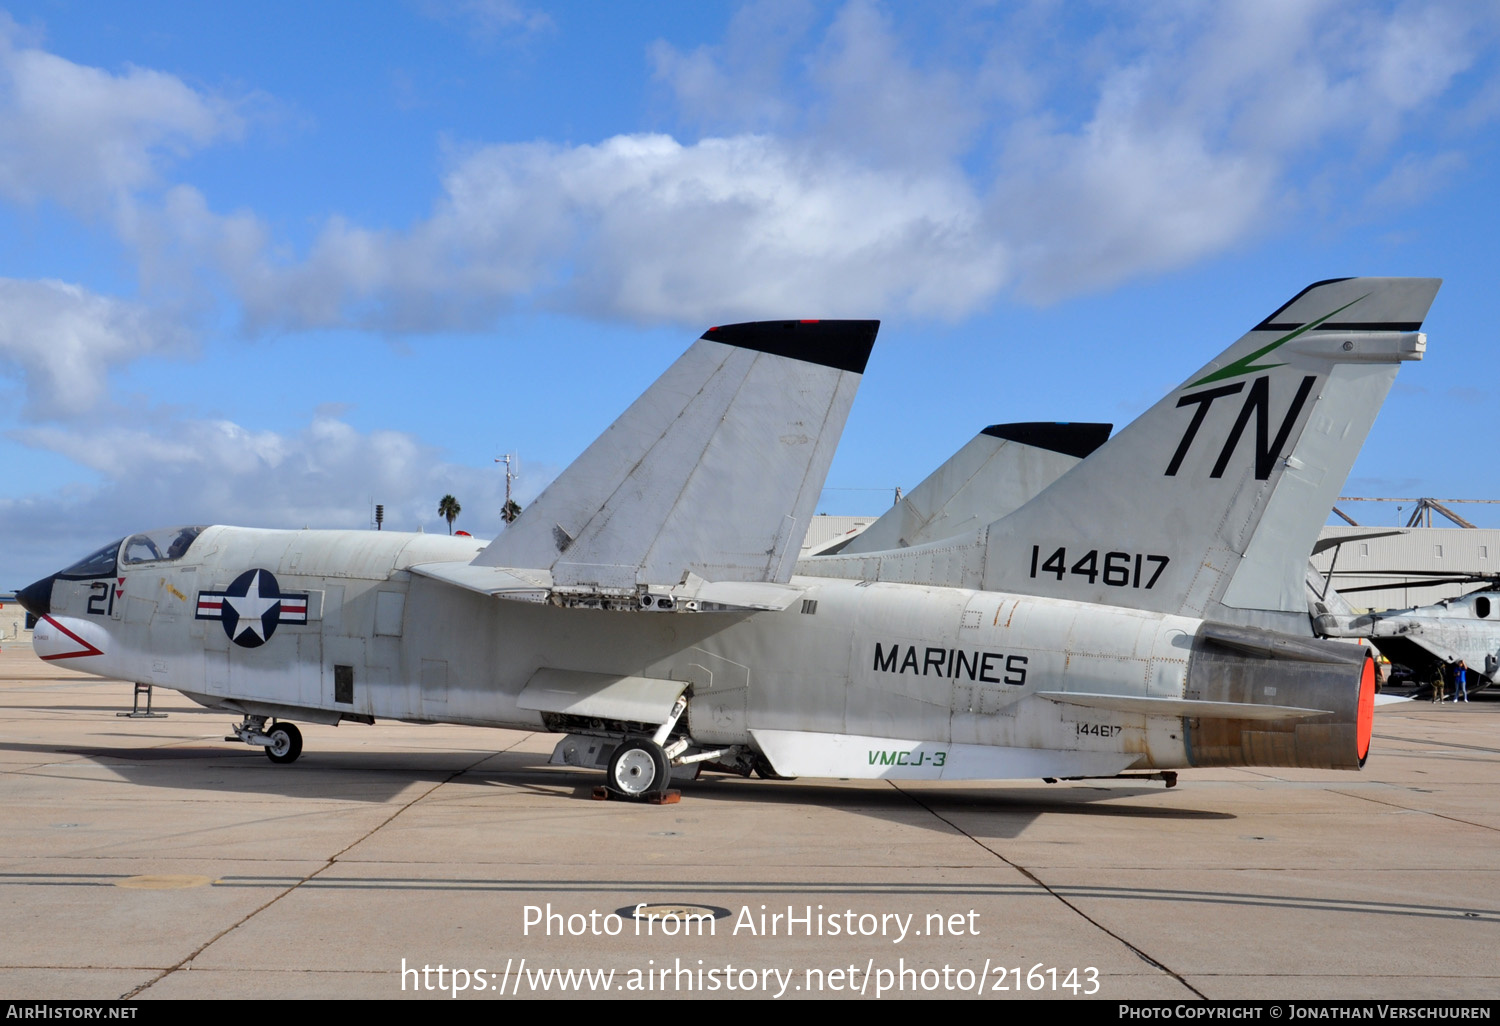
{"x": 1210, "y": 502}
{"x": 999, "y": 470}
{"x": 714, "y": 470}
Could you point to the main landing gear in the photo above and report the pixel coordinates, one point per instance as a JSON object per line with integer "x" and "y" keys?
{"x": 638, "y": 767}
{"x": 282, "y": 741}
{"x": 641, "y": 767}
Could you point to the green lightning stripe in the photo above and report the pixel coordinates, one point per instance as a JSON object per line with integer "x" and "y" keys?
{"x": 1247, "y": 364}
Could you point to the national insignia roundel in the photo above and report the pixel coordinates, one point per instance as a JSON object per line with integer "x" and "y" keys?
{"x": 251, "y": 607}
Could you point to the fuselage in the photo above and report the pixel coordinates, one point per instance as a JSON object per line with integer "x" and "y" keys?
{"x": 326, "y": 626}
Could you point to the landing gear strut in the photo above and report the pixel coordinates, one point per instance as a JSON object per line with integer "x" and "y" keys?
{"x": 641, "y": 767}
{"x": 282, "y": 741}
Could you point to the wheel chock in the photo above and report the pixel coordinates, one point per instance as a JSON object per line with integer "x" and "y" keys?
{"x": 670, "y": 796}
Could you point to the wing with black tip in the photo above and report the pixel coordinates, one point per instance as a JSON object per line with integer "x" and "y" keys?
{"x": 714, "y": 471}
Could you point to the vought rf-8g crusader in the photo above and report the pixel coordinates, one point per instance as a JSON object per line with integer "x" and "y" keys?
{"x": 1144, "y": 611}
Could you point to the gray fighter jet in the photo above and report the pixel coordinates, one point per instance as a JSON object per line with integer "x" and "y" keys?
{"x": 1146, "y": 610}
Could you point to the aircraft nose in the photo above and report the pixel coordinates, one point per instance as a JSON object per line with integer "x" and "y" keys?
{"x": 36, "y": 598}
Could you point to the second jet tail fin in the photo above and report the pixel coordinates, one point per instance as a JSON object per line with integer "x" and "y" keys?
{"x": 999, "y": 470}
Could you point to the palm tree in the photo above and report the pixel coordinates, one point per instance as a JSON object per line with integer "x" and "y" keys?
{"x": 511, "y": 511}
{"x": 449, "y": 509}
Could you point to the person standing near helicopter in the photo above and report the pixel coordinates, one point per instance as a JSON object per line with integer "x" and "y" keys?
{"x": 1461, "y": 682}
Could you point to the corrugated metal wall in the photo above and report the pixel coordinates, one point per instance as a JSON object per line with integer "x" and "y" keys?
{"x": 1401, "y": 560}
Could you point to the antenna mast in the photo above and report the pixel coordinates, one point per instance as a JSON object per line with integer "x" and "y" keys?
{"x": 510, "y": 475}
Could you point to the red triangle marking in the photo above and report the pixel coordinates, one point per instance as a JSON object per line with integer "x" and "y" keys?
{"x": 88, "y": 650}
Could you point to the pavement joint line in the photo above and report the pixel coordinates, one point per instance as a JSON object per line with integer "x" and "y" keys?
{"x": 1056, "y": 895}
{"x": 332, "y": 859}
{"x": 1375, "y": 799}
{"x": 1074, "y": 891}
{"x": 1415, "y": 975}
{"x": 112, "y": 968}
{"x": 1440, "y": 744}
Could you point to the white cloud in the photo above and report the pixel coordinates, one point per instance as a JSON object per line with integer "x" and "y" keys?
{"x": 1281, "y": 76}
{"x": 84, "y": 137}
{"x": 896, "y": 189}
{"x": 326, "y": 475}
{"x": 63, "y": 340}
{"x": 489, "y": 20}
{"x": 746, "y": 83}
{"x": 1210, "y": 132}
{"x": 639, "y": 226}
{"x": 1119, "y": 198}
{"x": 881, "y": 105}
{"x": 1415, "y": 178}
{"x": 845, "y": 176}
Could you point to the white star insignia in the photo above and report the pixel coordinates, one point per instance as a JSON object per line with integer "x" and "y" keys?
{"x": 251, "y": 607}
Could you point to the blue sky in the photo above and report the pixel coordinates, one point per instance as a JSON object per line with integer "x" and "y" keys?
{"x": 269, "y": 264}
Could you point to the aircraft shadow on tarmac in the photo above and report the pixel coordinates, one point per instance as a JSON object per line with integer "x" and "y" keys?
{"x": 375, "y": 777}
{"x": 1016, "y": 806}
{"x": 383, "y": 775}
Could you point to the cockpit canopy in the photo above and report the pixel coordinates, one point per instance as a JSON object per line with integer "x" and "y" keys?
{"x": 95, "y": 564}
{"x": 162, "y": 545}
{"x": 159, "y": 546}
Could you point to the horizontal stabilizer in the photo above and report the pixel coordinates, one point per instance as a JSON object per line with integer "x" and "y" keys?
{"x": 1179, "y": 707}
{"x": 713, "y": 471}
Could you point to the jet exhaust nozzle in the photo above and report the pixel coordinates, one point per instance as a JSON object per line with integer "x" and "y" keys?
{"x": 1250, "y": 666}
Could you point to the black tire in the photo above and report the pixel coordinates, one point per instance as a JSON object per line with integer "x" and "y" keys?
{"x": 286, "y": 743}
{"x": 638, "y": 767}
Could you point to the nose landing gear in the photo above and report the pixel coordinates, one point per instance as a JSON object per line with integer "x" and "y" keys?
{"x": 282, "y": 741}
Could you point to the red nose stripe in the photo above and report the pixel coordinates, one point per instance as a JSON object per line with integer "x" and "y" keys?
{"x": 86, "y": 650}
